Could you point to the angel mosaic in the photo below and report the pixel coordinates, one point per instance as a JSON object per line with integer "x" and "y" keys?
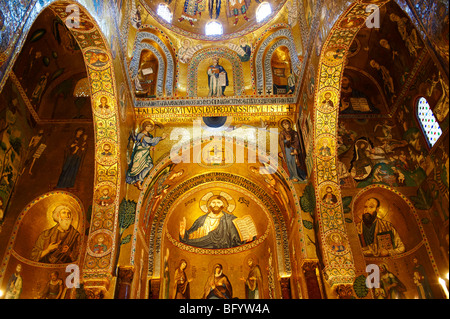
{"x": 141, "y": 161}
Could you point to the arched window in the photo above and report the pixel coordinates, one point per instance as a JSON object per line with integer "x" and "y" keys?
{"x": 213, "y": 28}
{"x": 164, "y": 12}
{"x": 263, "y": 11}
{"x": 430, "y": 126}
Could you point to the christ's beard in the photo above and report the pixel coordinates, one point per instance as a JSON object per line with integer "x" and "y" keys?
{"x": 65, "y": 223}
{"x": 216, "y": 210}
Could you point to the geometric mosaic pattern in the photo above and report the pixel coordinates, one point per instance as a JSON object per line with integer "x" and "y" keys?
{"x": 430, "y": 126}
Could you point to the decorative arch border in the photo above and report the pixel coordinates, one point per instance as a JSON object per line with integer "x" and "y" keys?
{"x": 416, "y": 218}
{"x": 199, "y": 56}
{"x": 258, "y": 61}
{"x": 278, "y": 219}
{"x": 161, "y": 214}
{"x": 339, "y": 268}
{"x": 267, "y": 65}
{"x": 18, "y": 223}
{"x": 96, "y": 271}
{"x": 161, "y": 65}
{"x": 273, "y": 213}
{"x": 168, "y": 72}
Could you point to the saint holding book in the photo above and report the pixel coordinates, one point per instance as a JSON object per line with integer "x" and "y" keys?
{"x": 217, "y": 229}
{"x": 217, "y": 79}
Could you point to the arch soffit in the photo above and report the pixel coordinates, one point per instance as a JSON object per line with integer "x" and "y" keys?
{"x": 266, "y": 44}
{"x": 339, "y": 269}
{"x": 282, "y": 42}
{"x": 102, "y": 82}
{"x": 148, "y": 40}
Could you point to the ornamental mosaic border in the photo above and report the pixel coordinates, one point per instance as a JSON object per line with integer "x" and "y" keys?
{"x": 161, "y": 65}
{"x": 267, "y": 61}
{"x": 413, "y": 210}
{"x": 339, "y": 268}
{"x": 12, "y": 239}
{"x": 161, "y": 213}
{"x": 102, "y": 82}
{"x": 163, "y": 162}
{"x": 258, "y": 61}
{"x": 228, "y": 100}
{"x": 169, "y": 72}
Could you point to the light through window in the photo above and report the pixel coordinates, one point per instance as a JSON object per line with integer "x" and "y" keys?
{"x": 264, "y": 10}
{"x": 426, "y": 117}
{"x": 164, "y": 12}
{"x": 213, "y": 28}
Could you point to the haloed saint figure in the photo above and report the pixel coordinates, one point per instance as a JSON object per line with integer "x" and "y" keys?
{"x": 73, "y": 159}
{"x": 217, "y": 79}
{"x": 378, "y": 237}
{"x": 59, "y": 244}
{"x": 291, "y": 152}
{"x": 218, "y": 285}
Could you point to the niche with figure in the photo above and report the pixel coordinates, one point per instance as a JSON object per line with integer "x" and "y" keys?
{"x": 146, "y": 80}
{"x": 283, "y": 76}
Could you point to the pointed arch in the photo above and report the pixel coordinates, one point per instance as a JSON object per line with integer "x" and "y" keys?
{"x": 161, "y": 65}
{"x": 155, "y": 236}
{"x": 267, "y": 61}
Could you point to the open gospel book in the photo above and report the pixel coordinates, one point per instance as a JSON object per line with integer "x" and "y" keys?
{"x": 236, "y": 48}
{"x": 360, "y": 104}
{"x": 246, "y": 228}
{"x": 222, "y": 79}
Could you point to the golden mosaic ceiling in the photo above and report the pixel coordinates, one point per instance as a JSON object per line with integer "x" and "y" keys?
{"x": 190, "y": 17}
